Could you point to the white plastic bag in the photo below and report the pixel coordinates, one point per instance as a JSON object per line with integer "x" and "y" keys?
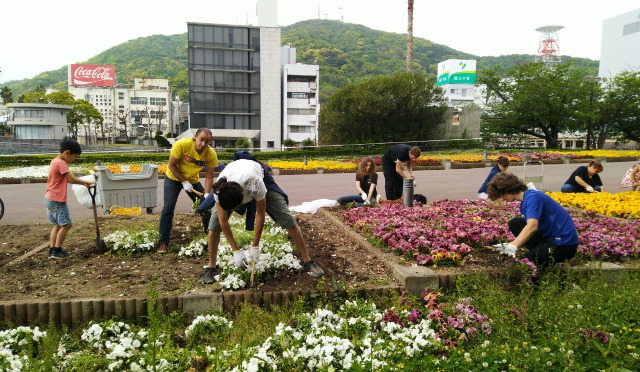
{"x": 531, "y": 186}
{"x": 82, "y": 192}
{"x": 313, "y": 206}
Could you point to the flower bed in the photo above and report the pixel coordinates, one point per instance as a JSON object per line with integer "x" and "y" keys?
{"x": 444, "y": 232}
{"x": 276, "y": 251}
{"x": 623, "y": 204}
{"x": 36, "y": 171}
{"x": 162, "y": 168}
{"x": 355, "y": 336}
{"x": 313, "y": 164}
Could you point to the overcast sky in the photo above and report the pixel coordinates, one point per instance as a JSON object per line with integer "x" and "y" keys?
{"x": 42, "y": 35}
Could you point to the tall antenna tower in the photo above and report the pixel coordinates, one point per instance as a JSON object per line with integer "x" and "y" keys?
{"x": 548, "y": 47}
{"x": 341, "y": 16}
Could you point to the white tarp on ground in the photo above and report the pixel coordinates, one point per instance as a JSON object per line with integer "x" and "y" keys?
{"x": 313, "y": 206}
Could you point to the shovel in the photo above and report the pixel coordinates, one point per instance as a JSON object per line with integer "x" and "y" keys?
{"x": 100, "y": 244}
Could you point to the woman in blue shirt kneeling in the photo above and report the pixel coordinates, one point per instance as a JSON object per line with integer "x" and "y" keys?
{"x": 546, "y": 229}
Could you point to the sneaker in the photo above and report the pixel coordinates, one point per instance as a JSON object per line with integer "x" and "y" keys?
{"x": 313, "y": 269}
{"x": 57, "y": 252}
{"x": 162, "y": 248}
{"x": 209, "y": 274}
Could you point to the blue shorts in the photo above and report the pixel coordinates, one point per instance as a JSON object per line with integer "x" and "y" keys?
{"x": 58, "y": 212}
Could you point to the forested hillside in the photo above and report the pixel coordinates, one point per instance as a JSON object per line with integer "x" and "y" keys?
{"x": 346, "y": 53}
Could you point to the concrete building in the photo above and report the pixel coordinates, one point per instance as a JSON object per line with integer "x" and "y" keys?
{"x": 620, "y": 49}
{"x": 38, "y": 121}
{"x": 300, "y": 106}
{"x": 144, "y": 107}
{"x": 234, "y": 82}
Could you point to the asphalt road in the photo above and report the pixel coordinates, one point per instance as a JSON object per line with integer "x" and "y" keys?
{"x": 23, "y": 202}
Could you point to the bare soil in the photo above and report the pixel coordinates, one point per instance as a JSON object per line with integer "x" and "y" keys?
{"x": 87, "y": 274}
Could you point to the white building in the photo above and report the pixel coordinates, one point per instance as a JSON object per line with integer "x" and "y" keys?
{"x": 38, "y": 121}
{"x": 457, "y": 79}
{"x": 299, "y": 98}
{"x": 620, "y": 44}
{"x": 144, "y": 107}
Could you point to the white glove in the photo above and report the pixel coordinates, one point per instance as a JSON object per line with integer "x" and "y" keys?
{"x": 589, "y": 189}
{"x": 254, "y": 254}
{"x": 507, "y": 249}
{"x": 240, "y": 259}
{"x": 364, "y": 197}
{"x": 187, "y": 186}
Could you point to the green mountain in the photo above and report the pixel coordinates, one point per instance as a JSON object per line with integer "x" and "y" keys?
{"x": 346, "y": 53}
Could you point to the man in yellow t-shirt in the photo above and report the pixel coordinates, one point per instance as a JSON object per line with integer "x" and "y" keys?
{"x": 187, "y": 158}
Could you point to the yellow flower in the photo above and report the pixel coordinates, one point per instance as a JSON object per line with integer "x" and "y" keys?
{"x": 623, "y": 205}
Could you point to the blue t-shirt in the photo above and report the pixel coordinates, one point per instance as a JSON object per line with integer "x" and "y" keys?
{"x": 554, "y": 222}
{"x": 495, "y": 170}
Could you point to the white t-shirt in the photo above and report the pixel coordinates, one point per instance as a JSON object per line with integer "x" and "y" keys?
{"x": 249, "y": 174}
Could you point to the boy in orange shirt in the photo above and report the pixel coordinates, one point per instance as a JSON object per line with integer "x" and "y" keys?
{"x": 56, "y": 197}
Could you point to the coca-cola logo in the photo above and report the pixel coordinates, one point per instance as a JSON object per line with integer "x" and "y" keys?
{"x": 92, "y": 75}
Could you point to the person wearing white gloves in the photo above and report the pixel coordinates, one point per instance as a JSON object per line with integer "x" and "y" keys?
{"x": 546, "y": 228}
{"x": 239, "y": 183}
{"x": 366, "y": 180}
{"x": 585, "y": 179}
{"x": 187, "y": 158}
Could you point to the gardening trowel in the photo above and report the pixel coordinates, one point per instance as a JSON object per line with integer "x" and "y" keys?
{"x": 100, "y": 244}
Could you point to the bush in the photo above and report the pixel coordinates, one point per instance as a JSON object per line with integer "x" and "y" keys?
{"x": 243, "y": 143}
{"x": 161, "y": 140}
{"x": 308, "y": 142}
{"x": 288, "y": 142}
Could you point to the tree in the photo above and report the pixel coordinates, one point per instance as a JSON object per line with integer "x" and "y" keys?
{"x": 159, "y": 115}
{"x": 60, "y": 98}
{"x": 123, "y": 119}
{"x": 6, "y": 94}
{"x": 410, "y": 35}
{"x": 401, "y": 107}
{"x": 180, "y": 85}
{"x": 85, "y": 114}
{"x": 619, "y": 108}
{"x": 32, "y": 97}
{"x": 535, "y": 100}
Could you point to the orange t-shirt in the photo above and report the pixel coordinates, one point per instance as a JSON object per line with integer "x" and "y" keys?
{"x": 57, "y": 181}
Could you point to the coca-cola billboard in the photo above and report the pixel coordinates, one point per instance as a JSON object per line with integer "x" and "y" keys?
{"x": 92, "y": 75}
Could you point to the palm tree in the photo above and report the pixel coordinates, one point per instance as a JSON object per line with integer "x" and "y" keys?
{"x": 6, "y": 94}
{"x": 410, "y": 37}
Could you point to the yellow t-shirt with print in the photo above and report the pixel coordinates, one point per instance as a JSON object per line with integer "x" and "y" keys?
{"x": 190, "y": 163}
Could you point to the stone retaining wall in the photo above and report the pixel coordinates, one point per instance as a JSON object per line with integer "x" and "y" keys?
{"x": 69, "y": 313}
